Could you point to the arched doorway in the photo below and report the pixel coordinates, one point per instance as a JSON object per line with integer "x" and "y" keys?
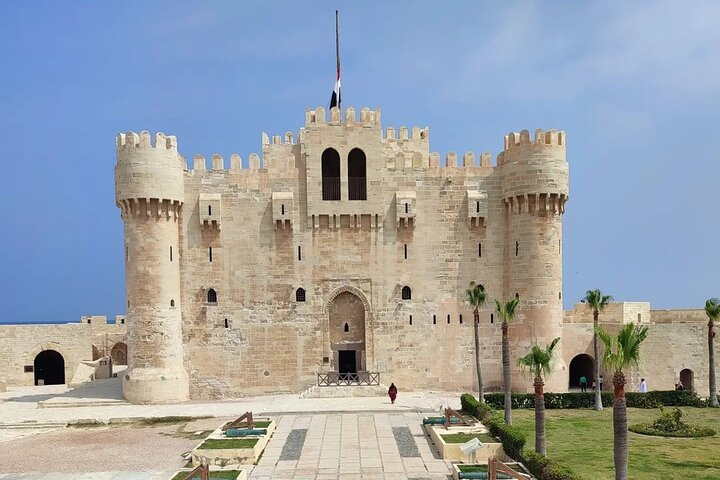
{"x": 118, "y": 353}
{"x": 49, "y": 366}
{"x": 347, "y": 332}
{"x": 581, "y": 365}
{"x": 686, "y": 378}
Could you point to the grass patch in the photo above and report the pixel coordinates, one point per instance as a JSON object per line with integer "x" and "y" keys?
{"x": 582, "y": 440}
{"x": 482, "y": 468}
{"x": 687, "y": 432}
{"x": 219, "y": 443}
{"x": 226, "y": 475}
{"x": 168, "y": 419}
{"x": 262, "y": 424}
{"x": 466, "y": 437}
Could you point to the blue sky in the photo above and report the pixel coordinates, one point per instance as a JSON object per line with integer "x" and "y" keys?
{"x": 636, "y": 85}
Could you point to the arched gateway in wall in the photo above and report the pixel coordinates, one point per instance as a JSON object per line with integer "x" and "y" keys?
{"x": 49, "y": 368}
{"x": 581, "y": 365}
{"x": 346, "y": 326}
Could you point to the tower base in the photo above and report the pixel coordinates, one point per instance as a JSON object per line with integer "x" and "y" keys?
{"x": 155, "y": 385}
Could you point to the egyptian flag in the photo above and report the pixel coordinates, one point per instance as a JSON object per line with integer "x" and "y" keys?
{"x": 335, "y": 98}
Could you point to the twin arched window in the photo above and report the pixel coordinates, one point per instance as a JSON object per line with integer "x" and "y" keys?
{"x": 406, "y": 293}
{"x": 211, "y": 296}
{"x": 356, "y": 172}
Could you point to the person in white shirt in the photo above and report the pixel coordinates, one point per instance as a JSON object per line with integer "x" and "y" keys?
{"x": 643, "y": 386}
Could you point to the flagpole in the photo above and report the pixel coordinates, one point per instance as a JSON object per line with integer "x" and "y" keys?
{"x": 337, "y": 49}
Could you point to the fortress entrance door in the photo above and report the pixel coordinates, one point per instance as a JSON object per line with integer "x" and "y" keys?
{"x": 49, "y": 367}
{"x": 347, "y": 333}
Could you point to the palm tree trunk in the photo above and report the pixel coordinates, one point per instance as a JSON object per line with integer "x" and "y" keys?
{"x": 506, "y": 372}
{"x": 481, "y": 390}
{"x": 539, "y": 416}
{"x": 620, "y": 431}
{"x": 596, "y": 352}
{"x": 711, "y": 366}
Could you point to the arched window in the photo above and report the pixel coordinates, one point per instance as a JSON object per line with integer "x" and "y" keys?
{"x": 300, "y": 295}
{"x": 212, "y": 296}
{"x": 172, "y": 303}
{"x": 357, "y": 182}
{"x": 347, "y": 328}
{"x": 406, "y": 293}
{"x": 330, "y": 174}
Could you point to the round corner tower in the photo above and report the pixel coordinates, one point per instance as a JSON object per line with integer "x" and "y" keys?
{"x": 534, "y": 189}
{"x": 149, "y": 191}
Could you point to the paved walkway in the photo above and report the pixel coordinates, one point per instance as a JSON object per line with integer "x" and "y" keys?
{"x": 102, "y": 400}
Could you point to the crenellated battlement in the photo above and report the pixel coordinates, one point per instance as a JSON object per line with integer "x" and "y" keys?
{"x": 404, "y": 134}
{"x": 143, "y": 140}
{"x": 317, "y": 117}
{"x": 217, "y": 163}
{"x": 516, "y": 143}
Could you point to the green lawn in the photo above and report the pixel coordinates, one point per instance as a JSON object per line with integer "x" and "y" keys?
{"x": 583, "y": 441}
{"x": 220, "y": 443}
{"x": 466, "y": 437}
{"x": 227, "y": 475}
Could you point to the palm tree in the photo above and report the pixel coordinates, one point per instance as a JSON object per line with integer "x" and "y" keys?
{"x": 476, "y": 297}
{"x": 597, "y": 302}
{"x": 539, "y": 363}
{"x": 506, "y": 311}
{"x": 620, "y": 353}
{"x": 712, "y": 309}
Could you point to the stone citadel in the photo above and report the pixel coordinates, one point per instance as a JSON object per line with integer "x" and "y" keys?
{"x": 348, "y": 248}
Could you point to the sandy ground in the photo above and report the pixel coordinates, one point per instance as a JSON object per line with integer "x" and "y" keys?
{"x": 96, "y": 449}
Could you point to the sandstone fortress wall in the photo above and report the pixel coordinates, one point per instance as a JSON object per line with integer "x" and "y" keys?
{"x": 345, "y": 248}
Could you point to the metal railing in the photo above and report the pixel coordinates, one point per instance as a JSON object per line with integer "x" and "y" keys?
{"x": 335, "y": 379}
{"x": 331, "y": 188}
{"x": 357, "y": 188}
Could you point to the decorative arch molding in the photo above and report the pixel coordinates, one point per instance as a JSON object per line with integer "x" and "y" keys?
{"x": 350, "y": 289}
{"x": 41, "y": 347}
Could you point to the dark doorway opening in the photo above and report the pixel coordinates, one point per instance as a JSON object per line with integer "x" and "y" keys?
{"x": 581, "y": 366}
{"x": 346, "y": 362}
{"x": 50, "y": 368}
{"x": 686, "y": 378}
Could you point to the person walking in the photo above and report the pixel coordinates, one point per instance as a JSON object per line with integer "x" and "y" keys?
{"x": 392, "y": 392}
{"x": 643, "y": 386}
{"x": 583, "y": 383}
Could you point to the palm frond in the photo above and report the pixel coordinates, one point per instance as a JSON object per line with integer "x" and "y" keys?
{"x": 507, "y": 310}
{"x": 596, "y": 301}
{"x": 712, "y": 309}
{"x": 538, "y": 360}
{"x": 476, "y": 295}
{"x": 623, "y": 350}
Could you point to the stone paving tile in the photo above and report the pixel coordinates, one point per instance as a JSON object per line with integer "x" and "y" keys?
{"x": 293, "y": 445}
{"x": 405, "y": 442}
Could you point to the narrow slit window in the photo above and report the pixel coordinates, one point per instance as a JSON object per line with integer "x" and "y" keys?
{"x": 209, "y": 210}
{"x": 406, "y": 208}
{"x": 434, "y": 319}
{"x": 172, "y": 303}
{"x": 282, "y": 209}
{"x": 517, "y": 248}
{"x": 477, "y": 207}
{"x": 405, "y": 251}
{"x": 227, "y": 325}
{"x": 299, "y": 253}
{"x": 210, "y": 253}
{"x": 448, "y": 320}
{"x": 492, "y": 318}
{"x": 127, "y": 253}
{"x": 480, "y": 250}
{"x": 461, "y": 319}
{"x": 410, "y": 319}
{"x": 171, "y": 253}
{"x": 346, "y": 329}
{"x": 639, "y": 317}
